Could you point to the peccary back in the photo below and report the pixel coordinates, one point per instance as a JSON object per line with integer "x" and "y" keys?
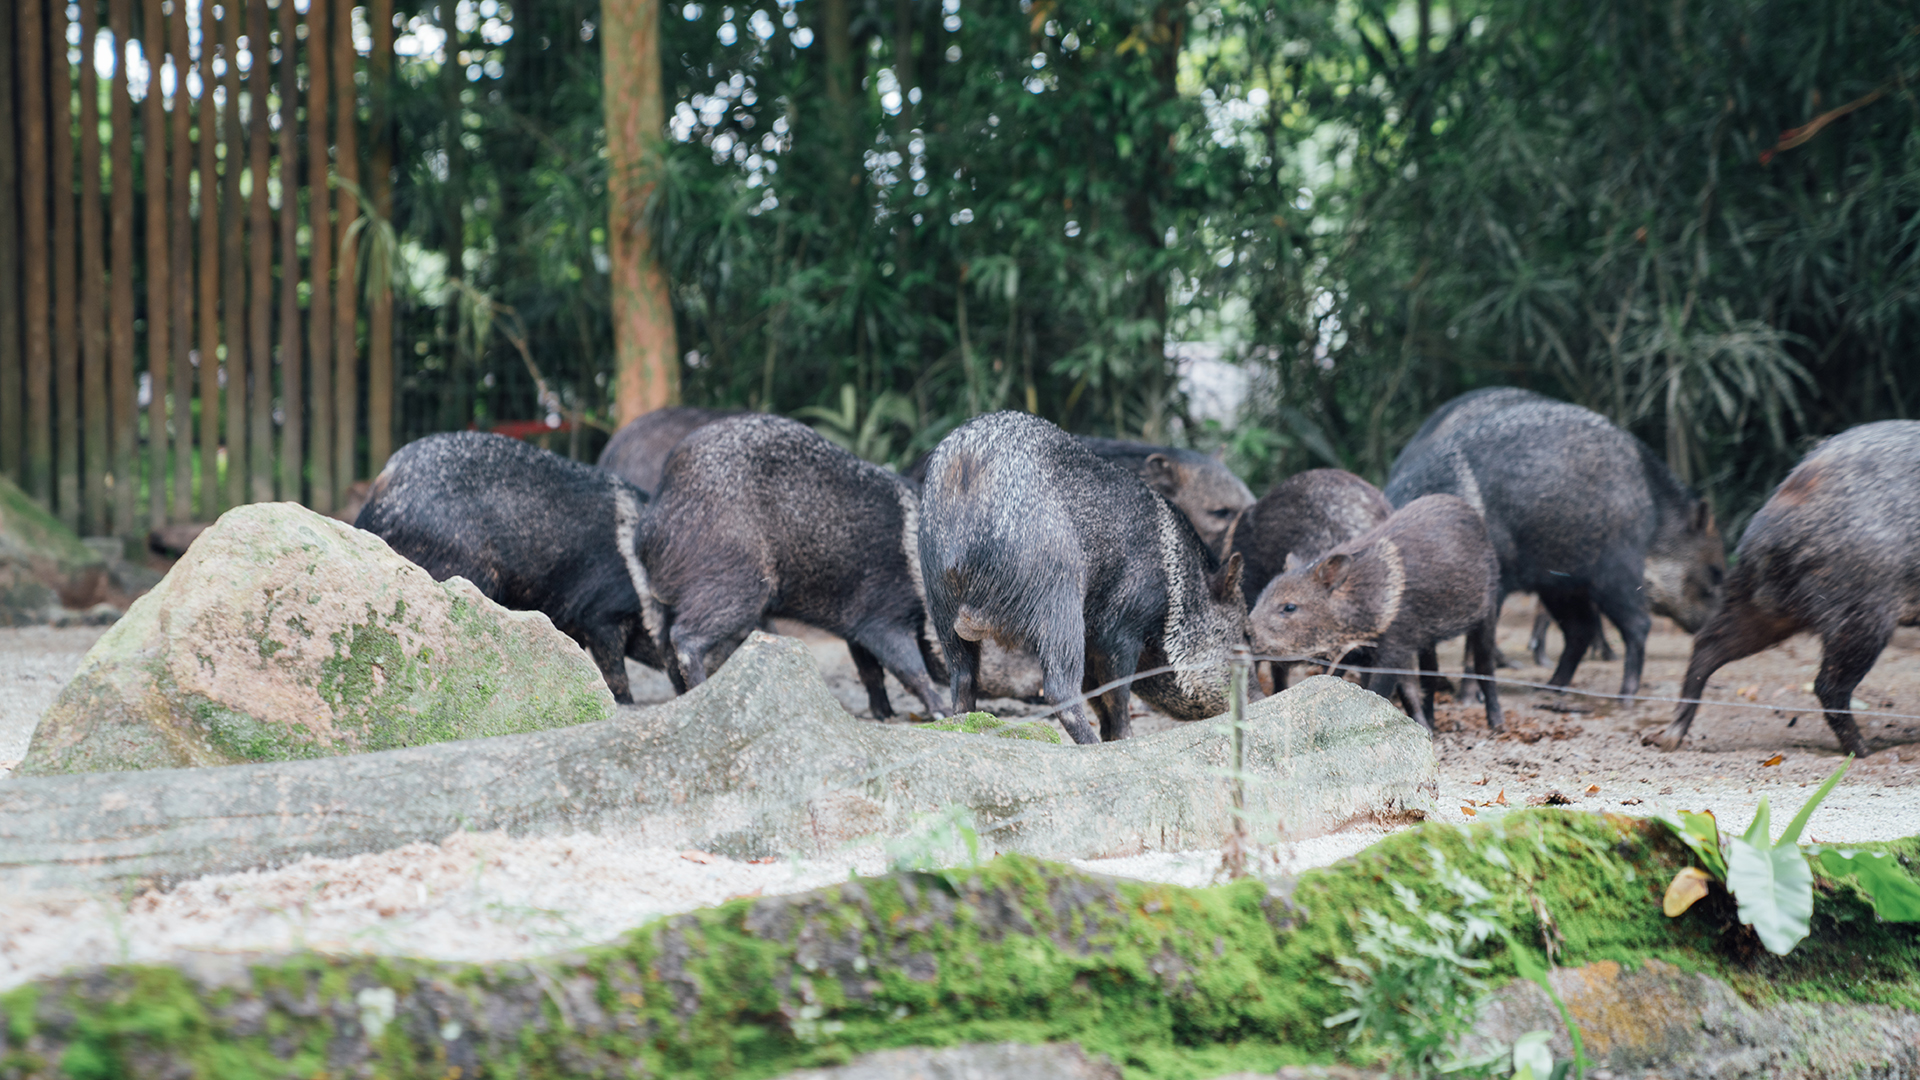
{"x": 1835, "y": 552}
{"x": 1580, "y": 512}
{"x": 758, "y": 515}
{"x": 639, "y": 450}
{"x": 1426, "y": 574}
{"x": 1030, "y": 540}
{"x": 1304, "y": 515}
{"x": 533, "y": 530}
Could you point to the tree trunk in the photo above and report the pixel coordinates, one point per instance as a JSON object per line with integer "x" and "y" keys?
{"x": 93, "y": 288}
{"x": 380, "y": 188}
{"x": 292, "y": 399}
{"x": 646, "y": 355}
{"x": 12, "y": 355}
{"x": 126, "y": 425}
{"x": 346, "y": 354}
{"x": 66, "y": 278}
{"x": 260, "y": 251}
{"x": 153, "y": 155}
{"x": 233, "y": 263}
{"x": 320, "y": 276}
{"x": 180, "y": 207}
{"x": 457, "y": 412}
{"x": 209, "y": 272}
{"x": 36, "y": 298}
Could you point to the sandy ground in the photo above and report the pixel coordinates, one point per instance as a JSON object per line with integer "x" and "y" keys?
{"x": 486, "y": 896}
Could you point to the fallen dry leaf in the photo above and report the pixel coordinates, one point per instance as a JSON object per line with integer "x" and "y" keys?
{"x": 697, "y": 856}
{"x": 1482, "y": 782}
{"x": 1593, "y": 789}
{"x": 763, "y": 862}
{"x": 1469, "y": 811}
{"x": 1551, "y": 798}
{"x": 746, "y": 895}
{"x": 1500, "y": 799}
{"x": 1688, "y": 886}
{"x": 1772, "y": 761}
{"x": 1629, "y": 802}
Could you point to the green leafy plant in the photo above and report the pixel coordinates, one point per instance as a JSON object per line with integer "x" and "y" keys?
{"x": 1890, "y": 888}
{"x": 865, "y": 434}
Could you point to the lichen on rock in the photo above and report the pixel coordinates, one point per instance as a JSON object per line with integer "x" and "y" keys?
{"x": 284, "y": 635}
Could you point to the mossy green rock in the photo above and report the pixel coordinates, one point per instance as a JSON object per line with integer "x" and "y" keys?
{"x": 284, "y": 635}
{"x": 43, "y": 564}
{"x": 980, "y": 723}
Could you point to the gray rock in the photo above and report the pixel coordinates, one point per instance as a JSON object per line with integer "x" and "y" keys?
{"x": 284, "y": 635}
{"x": 970, "y": 1061}
{"x": 43, "y": 564}
{"x": 760, "y": 760}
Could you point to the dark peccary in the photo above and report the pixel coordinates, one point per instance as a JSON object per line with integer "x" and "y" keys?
{"x": 1426, "y": 574}
{"x": 1537, "y": 638}
{"x": 533, "y": 530}
{"x": 1198, "y": 485}
{"x": 759, "y": 516}
{"x": 638, "y": 451}
{"x": 1030, "y": 540}
{"x": 1581, "y": 513}
{"x": 1835, "y": 552}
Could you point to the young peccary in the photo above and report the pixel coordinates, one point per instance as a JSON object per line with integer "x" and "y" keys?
{"x": 1581, "y": 513}
{"x": 758, "y": 515}
{"x": 1426, "y": 574}
{"x": 1836, "y": 552}
{"x": 1030, "y": 540}
{"x": 638, "y": 451}
{"x": 534, "y": 531}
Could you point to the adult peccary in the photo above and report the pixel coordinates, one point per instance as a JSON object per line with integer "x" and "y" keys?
{"x": 1426, "y": 574}
{"x": 1030, "y": 540}
{"x": 1836, "y": 552}
{"x": 1198, "y": 485}
{"x": 533, "y": 530}
{"x": 1581, "y": 513}
{"x": 759, "y": 516}
{"x": 638, "y": 451}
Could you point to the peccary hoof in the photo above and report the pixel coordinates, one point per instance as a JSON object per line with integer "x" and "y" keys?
{"x": 1666, "y": 739}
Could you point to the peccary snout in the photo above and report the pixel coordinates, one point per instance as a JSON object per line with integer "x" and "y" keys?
{"x": 1686, "y": 568}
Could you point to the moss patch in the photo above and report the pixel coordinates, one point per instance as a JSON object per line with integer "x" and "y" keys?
{"x": 980, "y": 723}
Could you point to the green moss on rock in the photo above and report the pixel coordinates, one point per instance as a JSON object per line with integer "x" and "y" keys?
{"x": 980, "y": 723}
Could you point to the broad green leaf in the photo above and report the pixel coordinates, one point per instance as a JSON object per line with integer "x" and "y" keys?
{"x": 1774, "y": 886}
{"x": 1894, "y": 892}
{"x": 1799, "y": 822}
{"x": 1701, "y": 833}
{"x": 1531, "y": 1057}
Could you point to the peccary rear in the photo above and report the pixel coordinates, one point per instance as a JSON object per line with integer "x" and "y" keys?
{"x": 757, "y": 516}
{"x": 638, "y": 451}
{"x": 533, "y": 530}
{"x": 1835, "y": 552}
{"x": 1426, "y": 574}
{"x": 1030, "y": 540}
{"x": 1581, "y": 513}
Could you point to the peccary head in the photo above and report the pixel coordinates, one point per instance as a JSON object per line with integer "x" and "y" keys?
{"x": 1325, "y": 610}
{"x": 1685, "y": 565}
{"x": 1206, "y": 618}
{"x": 1199, "y": 486}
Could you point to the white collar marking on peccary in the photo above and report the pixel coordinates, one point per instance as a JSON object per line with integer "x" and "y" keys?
{"x": 1469, "y": 484}
{"x": 626, "y": 530}
{"x": 1396, "y": 585}
{"x": 910, "y": 545}
{"x": 1176, "y": 637}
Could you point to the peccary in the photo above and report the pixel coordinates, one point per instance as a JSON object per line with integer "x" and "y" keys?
{"x": 1426, "y": 574}
{"x": 638, "y": 451}
{"x": 1030, "y": 540}
{"x": 1581, "y": 513}
{"x": 1836, "y": 552}
{"x": 533, "y": 530}
{"x": 757, "y": 516}
{"x": 1304, "y": 516}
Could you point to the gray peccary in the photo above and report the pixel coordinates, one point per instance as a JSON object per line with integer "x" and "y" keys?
{"x": 759, "y": 516}
{"x": 1537, "y": 638}
{"x": 533, "y": 530}
{"x": 1426, "y": 574}
{"x": 1030, "y": 540}
{"x": 1835, "y": 552}
{"x": 1581, "y": 513}
{"x": 638, "y": 451}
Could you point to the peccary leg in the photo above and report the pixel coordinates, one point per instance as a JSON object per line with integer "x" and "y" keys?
{"x": 1847, "y": 653}
{"x": 963, "y": 669}
{"x": 1408, "y": 685}
{"x": 1481, "y": 655}
{"x": 898, "y": 651}
{"x": 1107, "y": 663}
{"x": 1430, "y": 676}
{"x": 1537, "y": 640}
{"x": 608, "y": 647}
{"x": 1627, "y": 607}
{"x": 1736, "y": 630}
{"x": 874, "y": 678}
{"x": 1574, "y": 612}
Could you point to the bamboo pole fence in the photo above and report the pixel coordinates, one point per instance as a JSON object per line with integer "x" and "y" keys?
{"x": 184, "y": 326}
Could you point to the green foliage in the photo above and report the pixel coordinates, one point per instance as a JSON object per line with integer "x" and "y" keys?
{"x": 980, "y": 723}
{"x": 1892, "y": 890}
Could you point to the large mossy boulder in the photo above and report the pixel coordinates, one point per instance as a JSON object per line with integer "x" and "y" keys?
{"x": 43, "y": 564}
{"x": 285, "y": 635}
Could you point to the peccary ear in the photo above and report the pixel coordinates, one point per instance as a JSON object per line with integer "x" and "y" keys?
{"x": 1333, "y": 570}
{"x": 1226, "y": 581}
{"x": 1292, "y": 563}
{"x": 1702, "y": 516}
{"x": 1226, "y": 542}
{"x": 1161, "y": 474}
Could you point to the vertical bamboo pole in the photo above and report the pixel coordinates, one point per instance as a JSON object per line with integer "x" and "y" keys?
{"x": 36, "y": 299}
{"x": 66, "y": 278}
{"x": 11, "y": 352}
{"x": 292, "y": 401}
{"x": 380, "y": 189}
{"x": 457, "y": 412}
{"x": 260, "y": 243}
{"x": 233, "y": 261}
{"x": 320, "y": 296}
{"x": 346, "y": 156}
{"x": 126, "y": 426}
{"x": 93, "y": 287}
{"x": 180, "y": 207}
{"x": 153, "y": 155}
{"x": 209, "y": 272}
